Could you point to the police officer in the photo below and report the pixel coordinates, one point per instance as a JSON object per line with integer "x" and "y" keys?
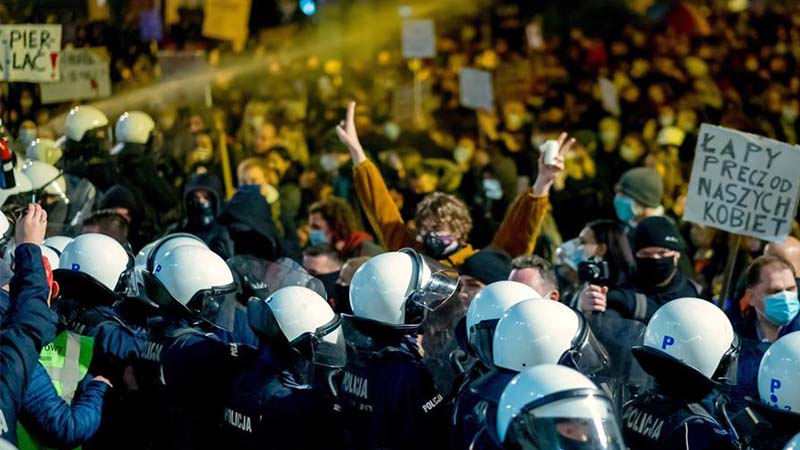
{"x": 689, "y": 347}
{"x": 530, "y": 333}
{"x": 387, "y": 395}
{"x": 288, "y": 386}
{"x": 134, "y": 153}
{"x": 67, "y": 201}
{"x": 86, "y": 142}
{"x": 779, "y": 394}
{"x": 553, "y": 407}
{"x": 197, "y": 367}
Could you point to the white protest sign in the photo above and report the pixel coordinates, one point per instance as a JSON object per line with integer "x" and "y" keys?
{"x": 30, "y": 52}
{"x": 476, "y": 89}
{"x": 84, "y": 75}
{"x": 419, "y": 39}
{"x": 743, "y": 183}
{"x": 609, "y": 96}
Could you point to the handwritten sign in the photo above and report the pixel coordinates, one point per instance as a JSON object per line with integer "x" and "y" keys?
{"x": 609, "y": 96}
{"x": 84, "y": 75}
{"x": 419, "y": 39}
{"x": 743, "y": 183}
{"x": 30, "y": 52}
{"x": 476, "y": 89}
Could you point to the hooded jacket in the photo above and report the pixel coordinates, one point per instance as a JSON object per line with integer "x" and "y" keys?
{"x": 214, "y": 235}
{"x": 248, "y": 220}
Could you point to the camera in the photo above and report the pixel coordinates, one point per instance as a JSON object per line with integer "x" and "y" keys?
{"x": 594, "y": 271}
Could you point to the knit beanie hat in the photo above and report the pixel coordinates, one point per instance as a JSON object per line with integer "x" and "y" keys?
{"x": 642, "y": 184}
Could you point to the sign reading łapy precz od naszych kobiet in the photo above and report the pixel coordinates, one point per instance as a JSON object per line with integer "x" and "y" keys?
{"x": 743, "y": 183}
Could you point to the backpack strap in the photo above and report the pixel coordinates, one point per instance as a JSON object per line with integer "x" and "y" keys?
{"x": 640, "y": 311}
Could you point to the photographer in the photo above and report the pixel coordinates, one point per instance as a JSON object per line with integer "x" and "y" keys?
{"x": 657, "y": 248}
{"x": 605, "y": 241}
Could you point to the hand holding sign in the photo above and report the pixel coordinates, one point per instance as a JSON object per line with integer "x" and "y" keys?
{"x": 743, "y": 184}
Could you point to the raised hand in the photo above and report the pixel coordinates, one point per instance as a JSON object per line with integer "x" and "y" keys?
{"x": 32, "y": 226}
{"x": 346, "y": 130}
{"x": 547, "y": 173}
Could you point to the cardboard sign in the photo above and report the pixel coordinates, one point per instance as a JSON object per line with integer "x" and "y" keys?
{"x": 609, "y": 96}
{"x": 84, "y": 75}
{"x": 30, "y": 52}
{"x": 513, "y": 80}
{"x": 227, "y": 20}
{"x": 419, "y": 39}
{"x": 476, "y": 89}
{"x": 743, "y": 183}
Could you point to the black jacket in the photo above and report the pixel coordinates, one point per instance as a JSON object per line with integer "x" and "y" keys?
{"x": 213, "y": 234}
{"x": 249, "y": 222}
{"x": 622, "y": 300}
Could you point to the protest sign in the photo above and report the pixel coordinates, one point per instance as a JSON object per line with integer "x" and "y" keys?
{"x": 30, "y": 52}
{"x": 84, "y": 75}
{"x": 743, "y": 183}
{"x": 609, "y": 96}
{"x": 513, "y": 80}
{"x": 476, "y": 89}
{"x": 419, "y": 39}
{"x": 99, "y": 10}
{"x": 227, "y": 20}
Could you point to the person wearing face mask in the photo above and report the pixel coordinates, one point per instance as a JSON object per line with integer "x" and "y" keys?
{"x": 657, "y": 247}
{"x": 771, "y": 312}
{"x": 324, "y": 262}
{"x": 605, "y": 240}
{"x": 202, "y": 203}
{"x": 86, "y": 140}
{"x": 333, "y": 222}
{"x": 25, "y": 137}
{"x": 443, "y": 221}
{"x": 638, "y": 196}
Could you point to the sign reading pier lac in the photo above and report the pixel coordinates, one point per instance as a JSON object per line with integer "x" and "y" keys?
{"x": 743, "y": 183}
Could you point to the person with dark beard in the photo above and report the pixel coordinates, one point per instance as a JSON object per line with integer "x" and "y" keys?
{"x": 324, "y": 262}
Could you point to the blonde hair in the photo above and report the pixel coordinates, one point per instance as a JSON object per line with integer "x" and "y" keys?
{"x": 445, "y": 209}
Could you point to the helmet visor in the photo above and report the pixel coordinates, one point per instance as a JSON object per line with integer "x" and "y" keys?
{"x": 259, "y": 278}
{"x": 729, "y": 364}
{"x": 216, "y": 306}
{"x": 587, "y": 354}
{"x": 326, "y": 344}
{"x": 481, "y": 340}
{"x": 439, "y": 287}
{"x": 571, "y": 423}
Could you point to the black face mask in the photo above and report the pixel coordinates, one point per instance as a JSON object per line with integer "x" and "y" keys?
{"x": 200, "y": 212}
{"x": 439, "y": 247}
{"x": 652, "y": 271}
{"x": 329, "y": 281}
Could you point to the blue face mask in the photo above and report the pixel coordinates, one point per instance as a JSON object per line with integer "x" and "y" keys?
{"x": 623, "y": 206}
{"x": 781, "y": 308}
{"x": 492, "y": 189}
{"x": 317, "y": 237}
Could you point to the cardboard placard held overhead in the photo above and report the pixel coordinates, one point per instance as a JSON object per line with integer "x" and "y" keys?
{"x": 30, "y": 52}
{"x": 227, "y": 20}
{"x": 609, "y": 96}
{"x": 84, "y": 75}
{"x": 743, "y": 183}
{"x": 475, "y": 88}
{"x": 419, "y": 38}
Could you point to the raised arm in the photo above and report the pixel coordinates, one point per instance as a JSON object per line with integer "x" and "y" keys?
{"x": 518, "y": 232}
{"x": 381, "y": 211}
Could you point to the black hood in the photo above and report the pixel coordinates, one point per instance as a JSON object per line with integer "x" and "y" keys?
{"x": 208, "y": 182}
{"x": 247, "y": 216}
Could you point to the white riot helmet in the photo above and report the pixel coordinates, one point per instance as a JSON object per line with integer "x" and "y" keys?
{"x": 535, "y": 332}
{"x": 58, "y": 243}
{"x": 133, "y": 127}
{"x": 555, "y": 407}
{"x": 794, "y": 443}
{"x": 43, "y": 150}
{"x": 197, "y": 281}
{"x": 141, "y": 257}
{"x": 82, "y": 119}
{"x": 50, "y": 254}
{"x": 92, "y": 261}
{"x": 778, "y": 382}
{"x": 689, "y": 340}
{"x": 396, "y": 289}
{"x": 167, "y": 243}
{"x": 302, "y": 318}
{"x": 45, "y": 177}
{"x": 486, "y": 309}
{"x": 23, "y": 185}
